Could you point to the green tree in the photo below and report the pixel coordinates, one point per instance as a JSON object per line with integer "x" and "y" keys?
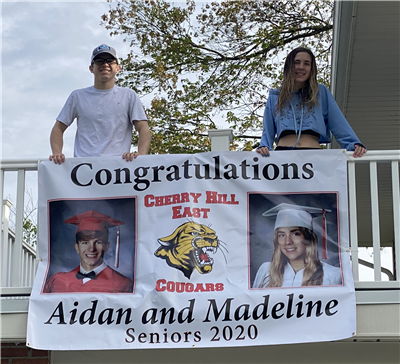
{"x": 29, "y": 222}
{"x": 213, "y": 62}
{"x": 30, "y": 231}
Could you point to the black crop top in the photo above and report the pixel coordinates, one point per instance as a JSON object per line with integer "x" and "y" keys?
{"x": 292, "y": 132}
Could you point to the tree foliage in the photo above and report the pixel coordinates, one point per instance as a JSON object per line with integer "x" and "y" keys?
{"x": 30, "y": 231}
{"x": 209, "y": 64}
{"x": 29, "y": 222}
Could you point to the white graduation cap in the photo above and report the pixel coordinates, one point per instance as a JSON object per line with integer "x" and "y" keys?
{"x": 294, "y": 215}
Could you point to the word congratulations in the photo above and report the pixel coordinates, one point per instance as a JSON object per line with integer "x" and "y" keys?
{"x": 83, "y": 174}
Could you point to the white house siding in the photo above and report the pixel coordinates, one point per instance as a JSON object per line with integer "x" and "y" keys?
{"x": 366, "y": 85}
{"x": 373, "y": 98}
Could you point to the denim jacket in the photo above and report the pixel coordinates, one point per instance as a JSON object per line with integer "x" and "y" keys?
{"x": 323, "y": 119}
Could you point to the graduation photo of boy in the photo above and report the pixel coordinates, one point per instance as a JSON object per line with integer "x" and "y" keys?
{"x": 81, "y": 257}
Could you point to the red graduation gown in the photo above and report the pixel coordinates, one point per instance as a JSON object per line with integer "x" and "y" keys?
{"x": 108, "y": 280}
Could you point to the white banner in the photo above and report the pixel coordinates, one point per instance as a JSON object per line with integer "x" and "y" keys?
{"x": 202, "y": 250}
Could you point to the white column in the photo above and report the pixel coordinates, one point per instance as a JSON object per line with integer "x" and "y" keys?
{"x": 220, "y": 139}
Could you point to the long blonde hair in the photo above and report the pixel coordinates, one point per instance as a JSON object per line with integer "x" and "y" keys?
{"x": 313, "y": 273}
{"x": 309, "y": 93}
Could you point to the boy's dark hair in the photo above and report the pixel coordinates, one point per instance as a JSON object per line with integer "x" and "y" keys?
{"x": 92, "y": 234}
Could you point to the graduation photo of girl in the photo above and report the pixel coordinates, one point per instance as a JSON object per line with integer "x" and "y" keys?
{"x": 294, "y": 240}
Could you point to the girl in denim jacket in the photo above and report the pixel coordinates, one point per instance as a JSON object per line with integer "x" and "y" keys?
{"x": 302, "y": 113}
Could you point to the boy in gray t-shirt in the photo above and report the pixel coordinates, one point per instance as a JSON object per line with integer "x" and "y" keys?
{"x": 105, "y": 114}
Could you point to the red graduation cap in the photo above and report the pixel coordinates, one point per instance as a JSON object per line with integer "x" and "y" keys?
{"x": 93, "y": 220}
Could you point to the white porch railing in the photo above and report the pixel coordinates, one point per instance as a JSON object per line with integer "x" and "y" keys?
{"x": 18, "y": 259}
{"x": 373, "y": 159}
{"x": 15, "y": 254}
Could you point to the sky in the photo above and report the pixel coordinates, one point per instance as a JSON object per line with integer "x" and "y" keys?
{"x": 46, "y": 49}
{"x": 45, "y": 55}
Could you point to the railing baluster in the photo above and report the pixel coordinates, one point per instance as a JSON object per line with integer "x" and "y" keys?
{"x": 10, "y": 243}
{"x": 25, "y": 267}
{"x": 4, "y": 220}
{"x": 28, "y": 270}
{"x": 24, "y": 262}
{"x": 396, "y": 216}
{"x": 33, "y": 269}
{"x": 353, "y": 219}
{"x": 2, "y": 175}
{"x": 5, "y": 244}
{"x": 35, "y": 266}
{"x": 375, "y": 220}
{"x": 16, "y": 265}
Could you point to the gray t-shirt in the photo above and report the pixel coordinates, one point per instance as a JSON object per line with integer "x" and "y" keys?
{"x": 104, "y": 120}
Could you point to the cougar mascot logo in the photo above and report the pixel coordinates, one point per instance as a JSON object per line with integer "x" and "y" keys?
{"x": 188, "y": 248}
